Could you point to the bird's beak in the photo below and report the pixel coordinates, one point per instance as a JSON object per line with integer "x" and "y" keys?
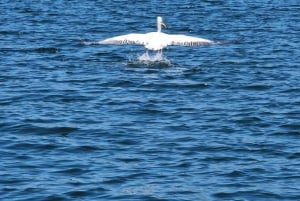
{"x": 164, "y": 25}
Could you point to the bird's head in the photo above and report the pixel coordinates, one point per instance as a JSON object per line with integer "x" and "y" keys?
{"x": 161, "y": 23}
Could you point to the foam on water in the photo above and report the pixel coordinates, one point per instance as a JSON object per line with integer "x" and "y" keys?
{"x": 151, "y": 59}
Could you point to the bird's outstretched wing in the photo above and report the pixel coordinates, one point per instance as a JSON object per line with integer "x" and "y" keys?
{"x": 125, "y": 39}
{"x": 184, "y": 40}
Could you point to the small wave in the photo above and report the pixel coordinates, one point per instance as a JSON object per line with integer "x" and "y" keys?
{"x": 47, "y": 50}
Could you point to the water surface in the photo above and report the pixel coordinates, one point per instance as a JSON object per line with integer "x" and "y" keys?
{"x": 90, "y": 122}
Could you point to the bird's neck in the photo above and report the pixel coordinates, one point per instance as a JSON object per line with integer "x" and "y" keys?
{"x": 158, "y": 27}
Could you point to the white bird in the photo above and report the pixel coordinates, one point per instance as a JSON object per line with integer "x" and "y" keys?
{"x": 157, "y": 40}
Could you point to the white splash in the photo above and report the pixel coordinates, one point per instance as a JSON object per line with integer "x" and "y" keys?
{"x": 156, "y": 58}
{"x": 151, "y": 57}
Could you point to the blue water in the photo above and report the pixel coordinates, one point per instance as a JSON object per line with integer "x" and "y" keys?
{"x": 92, "y": 122}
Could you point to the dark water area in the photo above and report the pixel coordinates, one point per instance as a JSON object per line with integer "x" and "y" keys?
{"x": 91, "y": 122}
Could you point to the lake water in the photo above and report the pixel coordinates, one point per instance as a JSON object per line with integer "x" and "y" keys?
{"x": 93, "y": 122}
